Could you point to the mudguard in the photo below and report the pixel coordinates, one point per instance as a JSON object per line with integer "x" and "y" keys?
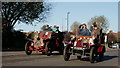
{"x": 101, "y": 49}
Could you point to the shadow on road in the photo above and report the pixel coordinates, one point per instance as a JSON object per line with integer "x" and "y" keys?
{"x": 54, "y": 53}
{"x": 109, "y": 57}
{"x": 105, "y": 58}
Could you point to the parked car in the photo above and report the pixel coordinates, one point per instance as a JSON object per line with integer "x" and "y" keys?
{"x": 110, "y": 45}
{"x": 116, "y": 45}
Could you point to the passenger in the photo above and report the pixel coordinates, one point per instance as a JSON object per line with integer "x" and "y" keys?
{"x": 46, "y": 28}
{"x": 50, "y": 28}
{"x": 80, "y": 29}
{"x": 31, "y": 35}
{"x": 91, "y": 28}
{"x": 83, "y": 31}
{"x": 96, "y": 31}
{"x": 54, "y": 28}
{"x": 80, "y": 26}
{"x": 34, "y": 37}
{"x": 57, "y": 27}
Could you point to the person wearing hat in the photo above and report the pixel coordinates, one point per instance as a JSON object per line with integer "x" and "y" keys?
{"x": 83, "y": 31}
{"x": 50, "y": 28}
{"x": 96, "y": 31}
{"x": 46, "y": 28}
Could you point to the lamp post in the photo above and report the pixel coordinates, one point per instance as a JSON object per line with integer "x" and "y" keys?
{"x": 68, "y": 20}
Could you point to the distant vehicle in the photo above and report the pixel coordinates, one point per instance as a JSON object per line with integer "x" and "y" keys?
{"x": 110, "y": 45}
{"x": 116, "y": 45}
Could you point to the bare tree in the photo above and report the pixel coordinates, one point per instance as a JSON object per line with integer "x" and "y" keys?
{"x": 101, "y": 22}
{"x": 75, "y": 26}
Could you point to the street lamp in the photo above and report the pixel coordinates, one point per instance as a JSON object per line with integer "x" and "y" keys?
{"x": 68, "y": 20}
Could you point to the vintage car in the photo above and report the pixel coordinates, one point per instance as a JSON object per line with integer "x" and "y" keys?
{"x": 44, "y": 43}
{"x": 84, "y": 46}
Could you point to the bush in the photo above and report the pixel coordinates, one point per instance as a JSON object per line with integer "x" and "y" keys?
{"x": 13, "y": 39}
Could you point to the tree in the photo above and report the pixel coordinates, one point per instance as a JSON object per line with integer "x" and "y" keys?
{"x": 20, "y": 12}
{"x": 101, "y": 22}
{"x": 25, "y": 12}
{"x": 75, "y": 26}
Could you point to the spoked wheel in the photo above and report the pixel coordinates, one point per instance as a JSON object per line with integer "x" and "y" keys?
{"x": 92, "y": 55}
{"x": 67, "y": 53}
{"x": 47, "y": 52}
{"x": 27, "y": 45}
{"x": 101, "y": 55}
{"x": 61, "y": 51}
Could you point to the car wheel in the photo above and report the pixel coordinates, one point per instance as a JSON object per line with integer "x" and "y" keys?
{"x": 27, "y": 50}
{"x": 66, "y": 53}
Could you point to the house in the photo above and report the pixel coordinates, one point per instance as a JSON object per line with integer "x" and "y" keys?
{"x": 113, "y": 36}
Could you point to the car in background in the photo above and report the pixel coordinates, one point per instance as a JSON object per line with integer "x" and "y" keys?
{"x": 116, "y": 45}
{"x": 110, "y": 45}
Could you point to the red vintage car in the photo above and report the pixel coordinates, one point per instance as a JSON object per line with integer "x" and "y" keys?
{"x": 84, "y": 46}
{"x": 44, "y": 43}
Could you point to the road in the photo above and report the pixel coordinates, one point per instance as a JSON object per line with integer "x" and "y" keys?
{"x": 19, "y": 58}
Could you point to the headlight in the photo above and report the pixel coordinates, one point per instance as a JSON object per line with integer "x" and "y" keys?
{"x": 32, "y": 44}
{"x": 42, "y": 44}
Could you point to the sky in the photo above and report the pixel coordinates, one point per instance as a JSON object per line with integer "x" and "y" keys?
{"x": 79, "y": 11}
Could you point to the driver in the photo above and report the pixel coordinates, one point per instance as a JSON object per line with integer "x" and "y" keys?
{"x": 57, "y": 38}
{"x": 83, "y": 31}
{"x": 55, "y": 34}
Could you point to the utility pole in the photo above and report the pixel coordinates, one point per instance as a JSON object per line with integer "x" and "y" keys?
{"x": 68, "y": 21}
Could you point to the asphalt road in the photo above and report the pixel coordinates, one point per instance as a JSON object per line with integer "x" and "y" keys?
{"x": 19, "y": 58}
